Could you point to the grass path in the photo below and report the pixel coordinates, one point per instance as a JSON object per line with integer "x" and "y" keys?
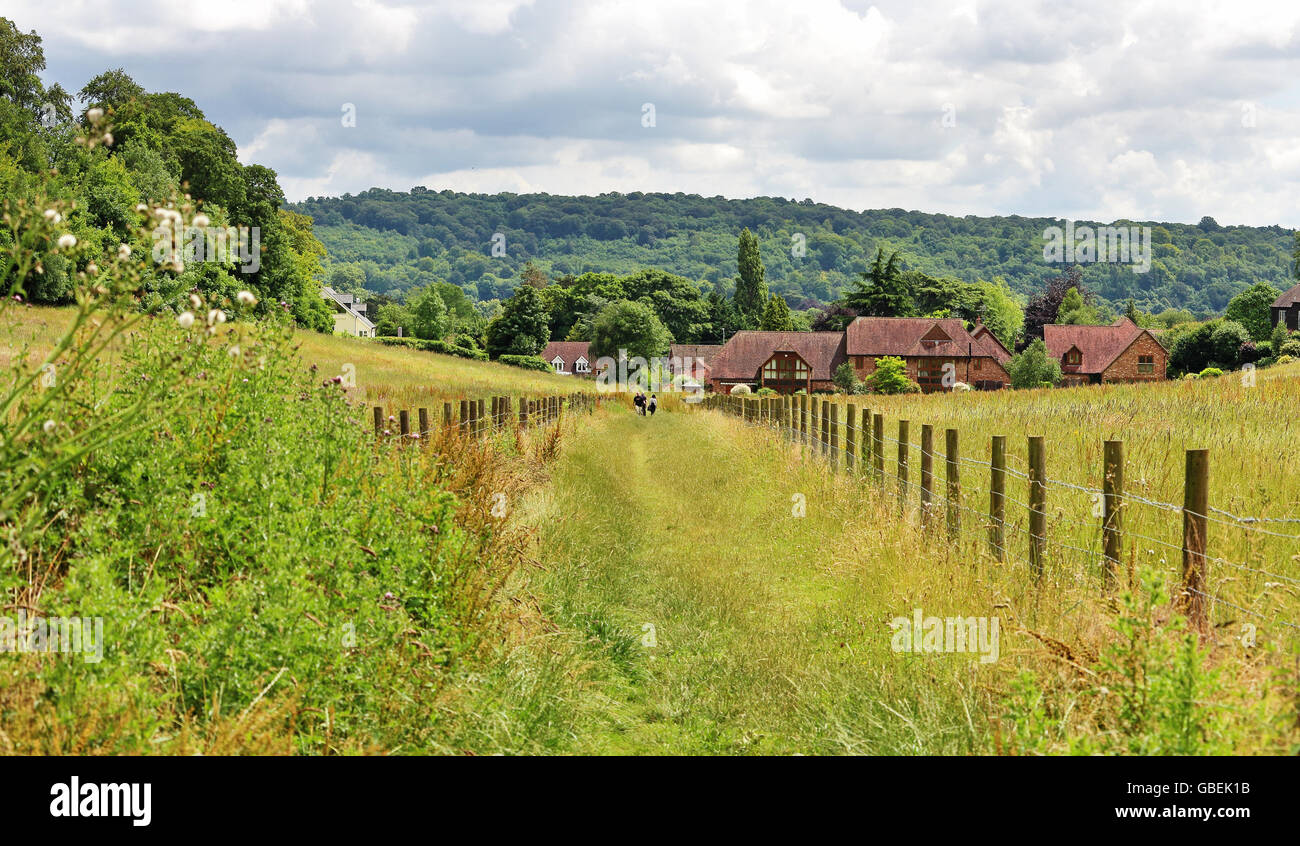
{"x": 711, "y": 619}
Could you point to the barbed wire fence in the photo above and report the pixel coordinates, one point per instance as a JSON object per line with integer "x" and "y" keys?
{"x": 477, "y": 418}
{"x": 1045, "y": 524}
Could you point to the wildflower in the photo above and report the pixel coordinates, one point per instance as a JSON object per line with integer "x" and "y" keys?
{"x": 195, "y": 301}
{"x": 53, "y": 216}
{"x": 49, "y": 426}
{"x": 201, "y": 220}
{"x": 141, "y": 207}
{"x": 124, "y": 252}
{"x": 108, "y": 139}
{"x": 185, "y": 319}
{"x": 234, "y": 351}
{"x": 95, "y": 115}
{"x": 389, "y": 595}
{"x": 92, "y": 269}
{"x": 67, "y": 241}
{"x": 246, "y": 298}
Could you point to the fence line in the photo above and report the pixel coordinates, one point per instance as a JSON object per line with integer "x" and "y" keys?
{"x": 817, "y": 426}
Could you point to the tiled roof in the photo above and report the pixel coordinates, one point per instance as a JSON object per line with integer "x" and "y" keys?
{"x": 570, "y": 351}
{"x": 746, "y": 352}
{"x": 1290, "y": 297}
{"x": 1100, "y": 345}
{"x": 904, "y": 337}
{"x": 991, "y": 345}
{"x": 698, "y": 353}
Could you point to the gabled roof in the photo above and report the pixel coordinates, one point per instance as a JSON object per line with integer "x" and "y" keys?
{"x": 746, "y": 352}
{"x": 344, "y": 304}
{"x": 569, "y": 351}
{"x": 992, "y": 346}
{"x": 1100, "y": 345}
{"x": 1290, "y": 297}
{"x": 698, "y": 353}
{"x": 912, "y": 337}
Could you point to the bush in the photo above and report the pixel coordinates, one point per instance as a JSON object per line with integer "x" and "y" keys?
{"x": 765, "y": 392}
{"x": 890, "y": 377}
{"x": 441, "y": 347}
{"x": 1291, "y": 347}
{"x": 527, "y": 362}
{"x": 1034, "y": 368}
{"x": 740, "y": 390}
{"x": 1285, "y": 359}
{"x": 1209, "y": 373}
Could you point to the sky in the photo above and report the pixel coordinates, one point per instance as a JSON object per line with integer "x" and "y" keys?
{"x": 1146, "y": 110}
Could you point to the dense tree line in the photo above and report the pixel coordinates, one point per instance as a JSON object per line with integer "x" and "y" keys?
{"x": 148, "y": 150}
{"x": 812, "y": 253}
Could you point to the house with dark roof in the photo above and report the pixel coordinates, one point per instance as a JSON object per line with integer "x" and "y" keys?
{"x": 349, "y": 313}
{"x": 569, "y": 357}
{"x": 786, "y": 362}
{"x": 693, "y": 361}
{"x": 1120, "y": 352}
{"x": 1286, "y": 309}
{"x": 938, "y": 352}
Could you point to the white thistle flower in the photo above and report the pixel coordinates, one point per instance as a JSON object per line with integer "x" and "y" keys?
{"x": 234, "y": 351}
{"x": 53, "y": 216}
{"x": 95, "y": 115}
{"x": 141, "y": 207}
{"x": 124, "y": 252}
{"x": 195, "y": 301}
{"x": 108, "y": 139}
{"x": 185, "y": 319}
{"x": 246, "y": 298}
{"x": 92, "y": 269}
{"x": 201, "y": 220}
{"x": 67, "y": 241}
{"x": 49, "y": 426}
{"x": 216, "y": 316}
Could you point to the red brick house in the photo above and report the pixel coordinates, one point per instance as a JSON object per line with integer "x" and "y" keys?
{"x": 569, "y": 357}
{"x": 694, "y": 361}
{"x": 1121, "y": 352}
{"x": 931, "y": 348}
{"x": 786, "y": 362}
{"x": 1286, "y": 309}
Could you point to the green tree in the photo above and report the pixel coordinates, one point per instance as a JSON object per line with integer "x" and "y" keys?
{"x": 751, "y": 284}
{"x": 845, "y": 378}
{"x": 882, "y": 291}
{"x": 1001, "y": 312}
{"x": 1034, "y": 368}
{"x": 630, "y": 326}
{"x": 521, "y": 328}
{"x": 1252, "y": 308}
{"x": 1075, "y": 311}
{"x": 776, "y": 315}
{"x": 890, "y": 377}
{"x": 429, "y": 314}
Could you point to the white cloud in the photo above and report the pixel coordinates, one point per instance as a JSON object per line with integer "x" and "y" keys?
{"x": 1114, "y": 110}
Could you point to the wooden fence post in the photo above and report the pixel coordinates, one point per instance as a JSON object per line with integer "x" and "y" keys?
{"x": 480, "y": 420}
{"x": 998, "y": 498}
{"x": 927, "y": 470}
{"x": 878, "y": 445}
{"x": 1037, "y": 505}
{"x": 850, "y": 437}
{"x": 952, "y": 473}
{"x": 464, "y": 417}
{"x": 903, "y": 450}
{"x": 424, "y": 422}
{"x": 835, "y": 437}
{"x": 379, "y": 421}
{"x": 446, "y": 415}
{"x": 826, "y": 428}
{"x": 404, "y": 422}
{"x": 1112, "y": 527}
{"x": 1196, "y": 502}
{"x": 523, "y": 413}
{"x": 803, "y": 419}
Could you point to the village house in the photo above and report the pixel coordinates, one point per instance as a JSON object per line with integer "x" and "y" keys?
{"x": 931, "y": 349}
{"x": 349, "y": 313}
{"x": 1286, "y": 309}
{"x": 569, "y": 358}
{"x": 692, "y": 361}
{"x": 1121, "y": 352}
{"x": 786, "y": 362}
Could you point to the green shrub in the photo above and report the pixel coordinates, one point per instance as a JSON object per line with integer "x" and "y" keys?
{"x": 890, "y": 377}
{"x": 1285, "y": 359}
{"x": 740, "y": 390}
{"x": 1291, "y": 347}
{"x": 1034, "y": 368}
{"x": 1210, "y": 372}
{"x": 527, "y": 362}
{"x": 765, "y": 392}
{"x": 435, "y": 346}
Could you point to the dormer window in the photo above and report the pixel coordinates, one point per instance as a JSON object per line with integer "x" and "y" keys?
{"x": 580, "y": 366}
{"x": 558, "y": 364}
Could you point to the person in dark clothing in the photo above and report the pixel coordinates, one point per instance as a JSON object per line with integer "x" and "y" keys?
{"x": 651, "y": 405}
{"x": 639, "y": 402}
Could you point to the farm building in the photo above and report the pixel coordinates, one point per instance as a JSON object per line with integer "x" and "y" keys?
{"x": 1286, "y": 309}
{"x": 569, "y": 357}
{"x": 786, "y": 362}
{"x": 1121, "y": 352}
{"x": 349, "y": 313}
{"x": 931, "y": 348}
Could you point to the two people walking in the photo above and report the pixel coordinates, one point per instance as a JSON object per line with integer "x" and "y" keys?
{"x": 644, "y": 404}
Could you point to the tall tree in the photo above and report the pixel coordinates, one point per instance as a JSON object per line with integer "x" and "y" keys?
{"x": 776, "y": 315}
{"x": 1253, "y": 308}
{"x": 1044, "y": 307}
{"x": 882, "y": 291}
{"x": 522, "y": 327}
{"x": 751, "y": 284}
{"x": 630, "y": 326}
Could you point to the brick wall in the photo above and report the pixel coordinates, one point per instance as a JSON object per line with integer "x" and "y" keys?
{"x": 1125, "y": 368}
{"x": 989, "y": 369}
